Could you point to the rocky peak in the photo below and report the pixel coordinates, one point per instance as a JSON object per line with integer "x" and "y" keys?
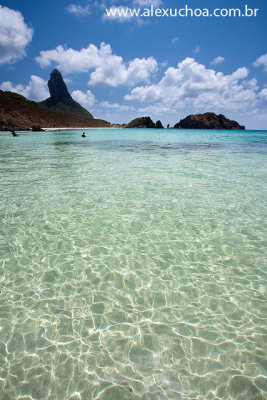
{"x": 61, "y": 100}
{"x": 57, "y": 87}
{"x": 159, "y": 125}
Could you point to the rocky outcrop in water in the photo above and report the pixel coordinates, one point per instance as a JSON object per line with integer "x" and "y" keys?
{"x": 159, "y": 125}
{"x": 7, "y": 125}
{"x": 61, "y": 100}
{"x": 208, "y": 121}
{"x": 37, "y": 128}
{"x": 142, "y": 122}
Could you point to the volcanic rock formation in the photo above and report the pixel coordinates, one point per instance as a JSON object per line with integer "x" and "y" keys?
{"x": 142, "y": 122}
{"x": 61, "y": 100}
{"x": 159, "y": 125}
{"x": 208, "y": 121}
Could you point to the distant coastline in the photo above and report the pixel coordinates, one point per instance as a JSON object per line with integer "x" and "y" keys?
{"x": 60, "y": 110}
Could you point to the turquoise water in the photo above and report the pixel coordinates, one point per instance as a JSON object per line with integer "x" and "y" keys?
{"x": 132, "y": 265}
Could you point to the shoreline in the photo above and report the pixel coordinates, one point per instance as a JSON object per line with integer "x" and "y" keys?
{"x": 58, "y": 129}
{"x": 85, "y": 128}
{"x": 67, "y": 128}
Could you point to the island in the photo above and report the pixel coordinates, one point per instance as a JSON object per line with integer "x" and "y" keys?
{"x": 208, "y": 120}
{"x": 144, "y": 122}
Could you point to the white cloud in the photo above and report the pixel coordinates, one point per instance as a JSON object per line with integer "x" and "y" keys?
{"x": 197, "y": 49}
{"x": 163, "y": 64}
{"x": 261, "y": 61}
{"x": 14, "y": 35}
{"x": 87, "y": 99}
{"x": 147, "y": 3}
{"x": 120, "y": 107}
{"x": 108, "y": 68}
{"x": 175, "y": 39}
{"x": 263, "y": 94}
{"x": 78, "y": 10}
{"x": 35, "y": 90}
{"x": 217, "y": 60}
{"x": 192, "y": 84}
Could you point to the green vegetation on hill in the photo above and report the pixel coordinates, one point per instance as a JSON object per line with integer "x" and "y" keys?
{"x": 141, "y": 122}
{"x": 144, "y": 122}
{"x": 19, "y": 113}
{"x": 73, "y": 108}
{"x": 208, "y": 120}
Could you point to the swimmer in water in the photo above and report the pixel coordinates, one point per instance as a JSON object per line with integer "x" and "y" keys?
{"x": 83, "y": 135}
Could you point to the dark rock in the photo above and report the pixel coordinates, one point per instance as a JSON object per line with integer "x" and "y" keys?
{"x": 168, "y": 126}
{"x": 142, "y": 122}
{"x": 208, "y": 121}
{"x": 159, "y": 125}
{"x": 37, "y": 128}
{"x": 57, "y": 88}
{"x": 61, "y": 100}
{"x": 9, "y": 126}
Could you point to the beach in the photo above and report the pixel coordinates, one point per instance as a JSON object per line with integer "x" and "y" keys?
{"x": 133, "y": 265}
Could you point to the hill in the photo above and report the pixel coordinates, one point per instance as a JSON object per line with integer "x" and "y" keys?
{"x": 19, "y": 113}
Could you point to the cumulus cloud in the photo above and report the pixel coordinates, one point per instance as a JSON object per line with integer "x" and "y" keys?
{"x": 192, "y": 84}
{"x": 263, "y": 94}
{"x": 261, "y": 61}
{"x": 107, "y": 67}
{"x": 78, "y": 10}
{"x": 120, "y": 107}
{"x": 87, "y": 99}
{"x": 35, "y": 90}
{"x": 14, "y": 35}
{"x": 217, "y": 60}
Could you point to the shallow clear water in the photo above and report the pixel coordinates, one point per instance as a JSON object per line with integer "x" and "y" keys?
{"x": 132, "y": 265}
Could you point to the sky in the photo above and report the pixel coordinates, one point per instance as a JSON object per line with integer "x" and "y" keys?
{"x": 120, "y": 68}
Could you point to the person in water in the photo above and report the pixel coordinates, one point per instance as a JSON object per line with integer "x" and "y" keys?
{"x": 13, "y": 133}
{"x": 83, "y": 135}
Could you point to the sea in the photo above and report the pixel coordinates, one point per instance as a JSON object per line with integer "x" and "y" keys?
{"x": 133, "y": 265}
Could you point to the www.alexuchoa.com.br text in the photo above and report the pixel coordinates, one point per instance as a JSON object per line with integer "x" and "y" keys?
{"x": 183, "y": 12}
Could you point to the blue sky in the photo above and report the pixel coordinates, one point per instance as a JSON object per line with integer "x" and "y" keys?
{"x": 120, "y": 69}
